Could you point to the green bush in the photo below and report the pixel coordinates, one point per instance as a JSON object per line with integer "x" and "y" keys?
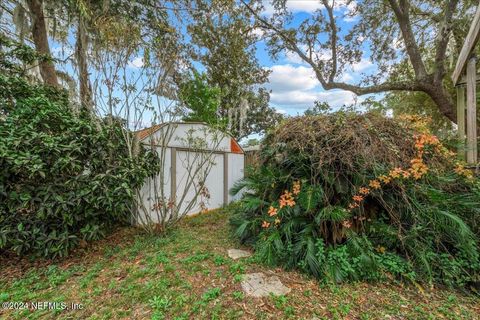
{"x": 63, "y": 176}
{"x": 299, "y": 209}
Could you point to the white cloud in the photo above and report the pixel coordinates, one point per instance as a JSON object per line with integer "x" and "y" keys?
{"x": 308, "y": 6}
{"x": 293, "y": 57}
{"x": 136, "y": 63}
{"x": 346, "y": 77}
{"x": 257, "y": 32}
{"x": 297, "y": 87}
{"x": 303, "y": 99}
{"x": 303, "y": 5}
{"x": 362, "y": 65}
{"x": 349, "y": 10}
{"x": 288, "y": 78}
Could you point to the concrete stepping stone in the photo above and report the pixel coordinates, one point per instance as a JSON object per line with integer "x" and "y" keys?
{"x": 260, "y": 285}
{"x": 237, "y": 254}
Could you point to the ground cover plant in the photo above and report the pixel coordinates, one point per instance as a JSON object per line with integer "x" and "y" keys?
{"x": 187, "y": 275}
{"x": 65, "y": 175}
{"x": 349, "y": 197}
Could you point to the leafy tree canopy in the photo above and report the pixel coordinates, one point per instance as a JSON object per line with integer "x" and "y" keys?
{"x": 225, "y": 44}
{"x": 200, "y": 99}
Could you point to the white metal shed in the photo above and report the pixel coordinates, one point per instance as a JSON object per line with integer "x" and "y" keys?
{"x": 200, "y": 165}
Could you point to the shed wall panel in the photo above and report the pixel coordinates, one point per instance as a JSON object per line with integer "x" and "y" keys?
{"x": 151, "y": 191}
{"x": 186, "y": 186}
{"x": 235, "y": 172}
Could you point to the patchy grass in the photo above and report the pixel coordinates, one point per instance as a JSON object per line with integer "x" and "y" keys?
{"x": 187, "y": 274}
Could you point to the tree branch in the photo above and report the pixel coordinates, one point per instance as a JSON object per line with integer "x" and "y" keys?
{"x": 382, "y": 87}
{"x": 442, "y": 40}
{"x": 333, "y": 39}
{"x": 401, "y": 11}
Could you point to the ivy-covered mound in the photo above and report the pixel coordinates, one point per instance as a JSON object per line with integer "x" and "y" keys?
{"x": 64, "y": 176}
{"x": 349, "y": 197}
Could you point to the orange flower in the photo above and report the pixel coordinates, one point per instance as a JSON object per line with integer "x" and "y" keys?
{"x": 416, "y": 161}
{"x": 374, "y": 184}
{"x": 425, "y": 139}
{"x": 272, "y": 211}
{"x": 346, "y": 223}
{"x": 357, "y": 198}
{"x": 418, "y": 168}
{"x": 385, "y": 179}
{"x": 286, "y": 199}
{"x": 460, "y": 170}
{"x": 416, "y": 175}
{"x": 364, "y": 191}
{"x": 353, "y": 206}
{"x": 296, "y": 187}
{"x": 406, "y": 174}
{"x": 395, "y": 173}
{"x": 265, "y": 224}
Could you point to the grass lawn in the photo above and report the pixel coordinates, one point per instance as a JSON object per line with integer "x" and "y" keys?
{"x": 188, "y": 275}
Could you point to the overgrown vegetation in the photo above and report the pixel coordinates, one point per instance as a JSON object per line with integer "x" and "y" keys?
{"x": 348, "y": 197}
{"x": 187, "y": 275}
{"x": 65, "y": 176}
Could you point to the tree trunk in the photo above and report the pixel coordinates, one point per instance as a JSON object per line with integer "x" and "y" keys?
{"x": 443, "y": 100}
{"x": 40, "y": 39}
{"x": 81, "y": 55}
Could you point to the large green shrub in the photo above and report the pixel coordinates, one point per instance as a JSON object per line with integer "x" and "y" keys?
{"x": 64, "y": 176}
{"x": 299, "y": 211}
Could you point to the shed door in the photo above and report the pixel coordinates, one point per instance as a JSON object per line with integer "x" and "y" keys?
{"x": 188, "y": 181}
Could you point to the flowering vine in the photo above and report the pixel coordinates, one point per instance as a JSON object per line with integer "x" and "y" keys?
{"x": 287, "y": 199}
{"x": 417, "y": 169}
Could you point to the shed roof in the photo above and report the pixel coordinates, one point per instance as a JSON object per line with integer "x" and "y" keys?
{"x": 144, "y": 133}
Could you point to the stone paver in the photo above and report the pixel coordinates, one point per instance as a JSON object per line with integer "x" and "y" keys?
{"x": 237, "y": 254}
{"x": 260, "y": 285}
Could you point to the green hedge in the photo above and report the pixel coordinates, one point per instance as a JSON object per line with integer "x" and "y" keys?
{"x": 64, "y": 176}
